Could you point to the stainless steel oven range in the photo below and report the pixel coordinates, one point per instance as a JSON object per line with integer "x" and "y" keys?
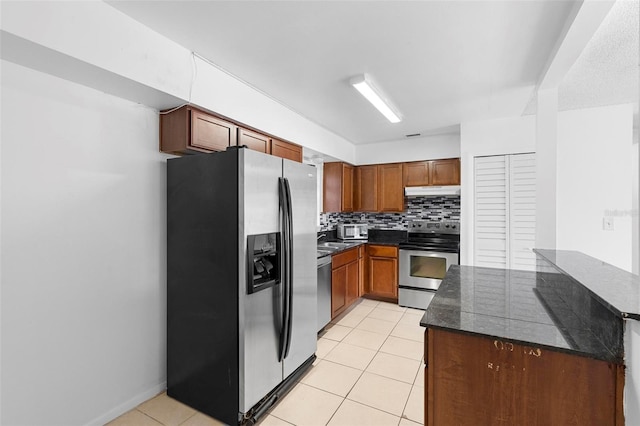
{"x": 431, "y": 247}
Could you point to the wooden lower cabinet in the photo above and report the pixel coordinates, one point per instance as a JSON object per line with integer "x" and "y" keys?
{"x": 478, "y": 380}
{"x": 382, "y": 272}
{"x": 352, "y": 287}
{"x": 362, "y": 252}
{"x": 338, "y": 290}
{"x": 344, "y": 281}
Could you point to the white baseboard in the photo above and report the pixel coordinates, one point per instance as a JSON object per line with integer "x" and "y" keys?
{"x": 128, "y": 405}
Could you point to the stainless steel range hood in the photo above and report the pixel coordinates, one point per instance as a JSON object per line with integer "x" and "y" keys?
{"x": 431, "y": 191}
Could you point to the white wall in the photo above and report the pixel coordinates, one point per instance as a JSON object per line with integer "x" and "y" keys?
{"x": 492, "y": 137}
{"x": 82, "y": 252}
{"x": 635, "y": 198}
{"x": 594, "y": 176}
{"x": 546, "y": 168}
{"x": 97, "y": 45}
{"x": 590, "y": 178}
{"x": 411, "y": 149}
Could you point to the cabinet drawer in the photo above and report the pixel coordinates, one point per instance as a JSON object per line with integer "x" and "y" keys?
{"x": 382, "y": 251}
{"x": 343, "y": 258}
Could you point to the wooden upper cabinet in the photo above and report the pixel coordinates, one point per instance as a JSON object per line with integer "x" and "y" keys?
{"x": 416, "y": 173}
{"x": 286, "y": 150}
{"x": 338, "y": 187}
{"x": 366, "y": 189}
{"x": 253, "y": 140}
{"x": 189, "y": 129}
{"x": 445, "y": 172}
{"x": 211, "y": 133}
{"x": 390, "y": 189}
{"x": 348, "y": 173}
{"x": 433, "y": 172}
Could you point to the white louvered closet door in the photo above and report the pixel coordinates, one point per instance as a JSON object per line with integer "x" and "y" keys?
{"x": 505, "y": 211}
{"x": 522, "y": 211}
{"x": 491, "y": 220}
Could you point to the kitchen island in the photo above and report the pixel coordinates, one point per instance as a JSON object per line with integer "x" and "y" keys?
{"x": 521, "y": 347}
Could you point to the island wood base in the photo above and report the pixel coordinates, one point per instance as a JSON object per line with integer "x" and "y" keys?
{"x": 475, "y": 380}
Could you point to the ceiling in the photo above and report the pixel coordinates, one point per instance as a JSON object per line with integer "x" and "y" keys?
{"x": 606, "y": 72}
{"x": 440, "y": 62}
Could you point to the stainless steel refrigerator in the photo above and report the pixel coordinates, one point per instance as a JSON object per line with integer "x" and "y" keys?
{"x": 241, "y": 280}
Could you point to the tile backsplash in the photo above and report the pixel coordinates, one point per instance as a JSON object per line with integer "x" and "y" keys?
{"x": 445, "y": 207}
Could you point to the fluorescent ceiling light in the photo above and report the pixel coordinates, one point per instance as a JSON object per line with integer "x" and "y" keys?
{"x": 363, "y": 84}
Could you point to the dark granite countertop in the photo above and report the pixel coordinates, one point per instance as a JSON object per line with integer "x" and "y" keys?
{"x": 616, "y": 288}
{"x": 354, "y": 244}
{"x": 525, "y": 307}
{"x": 382, "y": 237}
{"x": 387, "y": 236}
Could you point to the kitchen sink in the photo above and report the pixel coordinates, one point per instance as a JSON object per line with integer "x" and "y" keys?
{"x": 329, "y": 247}
{"x": 334, "y": 245}
{"x": 324, "y": 252}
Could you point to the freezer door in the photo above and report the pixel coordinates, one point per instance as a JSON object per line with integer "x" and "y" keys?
{"x": 302, "y": 181}
{"x": 260, "y": 314}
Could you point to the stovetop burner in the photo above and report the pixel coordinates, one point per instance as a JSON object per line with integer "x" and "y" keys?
{"x": 433, "y": 236}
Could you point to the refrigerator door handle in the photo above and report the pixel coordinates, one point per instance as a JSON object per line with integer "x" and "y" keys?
{"x": 284, "y": 206}
{"x": 289, "y": 255}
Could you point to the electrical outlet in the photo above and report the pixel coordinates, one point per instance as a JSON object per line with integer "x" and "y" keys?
{"x": 607, "y": 224}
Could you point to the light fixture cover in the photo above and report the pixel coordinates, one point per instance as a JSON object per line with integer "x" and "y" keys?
{"x": 363, "y": 84}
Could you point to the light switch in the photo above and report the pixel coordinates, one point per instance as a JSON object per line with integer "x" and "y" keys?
{"x": 607, "y": 224}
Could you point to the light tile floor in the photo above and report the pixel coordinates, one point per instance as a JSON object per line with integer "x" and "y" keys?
{"x": 369, "y": 371}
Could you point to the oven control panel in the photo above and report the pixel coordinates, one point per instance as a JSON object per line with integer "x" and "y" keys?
{"x": 433, "y": 227}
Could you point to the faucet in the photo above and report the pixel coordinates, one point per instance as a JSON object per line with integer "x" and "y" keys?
{"x": 320, "y": 236}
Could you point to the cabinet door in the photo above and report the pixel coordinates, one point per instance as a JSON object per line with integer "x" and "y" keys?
{"x": 337, "y": 187}
{"x": 383, "y": 271}
{"x": 479, "y": 380}
{"x": 332, "y": 187}
{"x": 347, "y": 187}
{"x": 445, "y": 172}
{"x": 416, "y": 174}
{"x": 338, "y": 290}
{"x": 352, "y": 290}
{"x": 390, "y": 190}
{"x": 366, "y": 189}
{"x": 211, "y": 133}
{"x": 254, "y": 141}
{"x": 361, "y": 271}
{"x": 286, "y": 150}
